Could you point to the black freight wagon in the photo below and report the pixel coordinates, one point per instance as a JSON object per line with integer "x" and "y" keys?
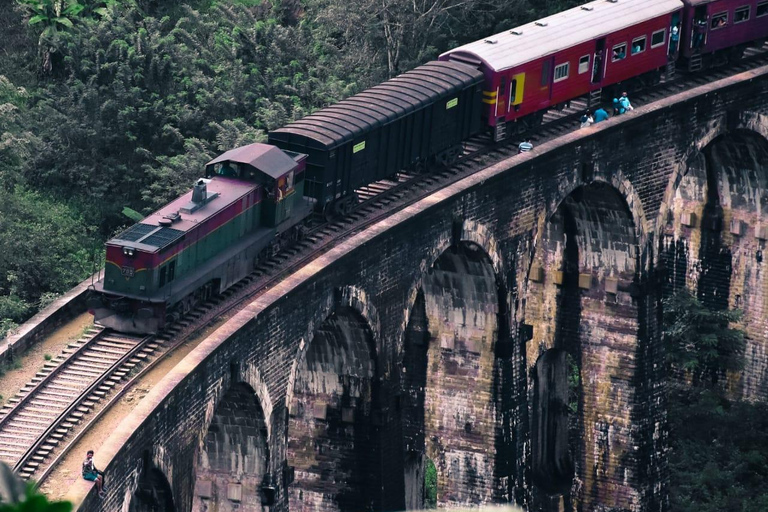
{"x": 402, "y": 123}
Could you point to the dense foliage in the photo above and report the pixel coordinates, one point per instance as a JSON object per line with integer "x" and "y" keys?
{"x": 719, "y": 446}
{"x": 701, "y": 342}
{"x": 108, "y": 104}
{"x": 19, "y": 496}
{"x": 719, "y": 457}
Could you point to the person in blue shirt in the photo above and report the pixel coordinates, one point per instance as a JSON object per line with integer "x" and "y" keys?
{"x": 600, "y": 115}
{"x": 624, "y": 102}
{"x": 525, "y": 146}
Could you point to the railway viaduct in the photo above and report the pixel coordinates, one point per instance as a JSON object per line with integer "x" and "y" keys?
{"x": 505, "y": 331}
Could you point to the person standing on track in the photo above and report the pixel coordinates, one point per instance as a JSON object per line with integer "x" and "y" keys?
{"x": 92, "y": 474}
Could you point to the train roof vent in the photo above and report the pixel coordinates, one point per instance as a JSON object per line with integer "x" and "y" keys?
{"x": 516, "y": 32}
{"x": 491, "y": 41}
{"x": 541, "y": 23}
{"x": 587, "y": 8}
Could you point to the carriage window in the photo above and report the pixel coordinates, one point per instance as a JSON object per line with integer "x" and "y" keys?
{"x": 619, "y": 52}
{"x": 657, "y": 38}
{"x": 762, "y": 9}
{"x": 545, "y": 73}
{"x": 561, "y": 71}
{"x": 163, "y": 273}
{"x": 638, "y": 45}
{"x": 719, "y": 20}
{"x": 584, "y": 64}
{"x": 741, "y": 14}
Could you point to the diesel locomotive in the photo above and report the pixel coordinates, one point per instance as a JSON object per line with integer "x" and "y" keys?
{"x": 255, "y": 197}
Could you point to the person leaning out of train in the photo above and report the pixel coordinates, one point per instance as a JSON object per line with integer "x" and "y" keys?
{"x": 600, "y": 115}
{"x": 674, "y": 39}
{"x": 586, "y": 119}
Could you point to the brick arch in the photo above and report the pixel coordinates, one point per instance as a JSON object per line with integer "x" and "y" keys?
{"x": 580, "y": 297}
{"x": 744, "y": 120}
{"x": 232, "y": 462}
{"x": 713, "y": 245}
{"x": 448, "y": 378}
{"x": 469, "y": 231}
{"x": 152, "y": 492}
{"x": 333, "y": 409}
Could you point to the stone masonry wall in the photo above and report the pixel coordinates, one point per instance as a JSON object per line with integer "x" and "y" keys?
{"x": 638, "y": 158}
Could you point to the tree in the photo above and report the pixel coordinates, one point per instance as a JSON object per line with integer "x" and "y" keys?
{"x": 17, "y": 496}
{"x": 57, "y": 16}
{"x": 700, "y": 342}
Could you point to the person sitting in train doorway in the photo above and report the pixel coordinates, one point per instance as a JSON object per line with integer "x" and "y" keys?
{"x": 600, "y": 115}
{"x": 92, "y": 474}
{"x": 624, "y": 102}
{"x": 525, "y": 146}
{"x": 674, "y": 39}
{"x": 699, "y": 30}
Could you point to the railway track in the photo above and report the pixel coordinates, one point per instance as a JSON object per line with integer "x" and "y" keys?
{"x": 41, "y": 415}
{"x": 77, "y": 387}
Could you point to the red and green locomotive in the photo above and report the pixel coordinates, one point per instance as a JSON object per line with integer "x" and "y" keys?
{"x": 202, "y": 242}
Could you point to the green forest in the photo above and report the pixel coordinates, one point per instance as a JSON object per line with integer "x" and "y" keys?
{"x": 106, "y": 104}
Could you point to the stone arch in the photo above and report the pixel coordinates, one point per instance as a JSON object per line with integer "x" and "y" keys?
{"x": 715, "y": 237}
{"x": 232, "y": 464}
{"x": 449, "y": 376}
{"x": 581, "y": 301}
{"x": 746, "y": 121}
{"x": 465, "y": 231}
{"x": 332, "y": 437}
{"x": 153, "y": 493}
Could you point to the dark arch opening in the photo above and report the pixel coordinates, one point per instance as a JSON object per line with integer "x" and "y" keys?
{"x": 153, "y": 493}
{"x": 234, "y": 460}
{"x": 449, "y": 381}
{"x": 581, "y": 302}
{"x": 552, "y": 465}
{"x": 333, "y": 434}
{"x": 733, "y": 244}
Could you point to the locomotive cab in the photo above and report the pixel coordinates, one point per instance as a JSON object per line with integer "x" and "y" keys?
{"x": 280, "y": 173}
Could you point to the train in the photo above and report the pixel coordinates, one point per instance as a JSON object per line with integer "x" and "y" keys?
{"x": 254, "y": 199}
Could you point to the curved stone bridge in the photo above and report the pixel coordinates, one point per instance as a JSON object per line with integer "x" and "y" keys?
{"x": 500, "y": 337}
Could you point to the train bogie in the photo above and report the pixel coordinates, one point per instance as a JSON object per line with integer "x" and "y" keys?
{"x": 412, "y": 118}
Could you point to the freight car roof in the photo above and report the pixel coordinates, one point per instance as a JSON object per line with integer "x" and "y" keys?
{"x": 382, "y": 104}
{"x": 148, "y": 235}
{"x": 562, "y": 30}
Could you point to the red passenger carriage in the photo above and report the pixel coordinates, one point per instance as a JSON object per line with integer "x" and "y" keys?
{"x": 720, "y": 28}
{"x": 553, "y": 60}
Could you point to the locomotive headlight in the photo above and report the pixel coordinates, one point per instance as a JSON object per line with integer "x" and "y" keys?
{"x": 128, "y": 251}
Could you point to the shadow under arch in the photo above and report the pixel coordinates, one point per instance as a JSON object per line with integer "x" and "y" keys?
{"x": 153, "y": 493}
{"x": 582, "y": 300}
{"x": 232, "y": 464}
{"x": 333, "y": 442}
{"x": 449, "y": 373}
